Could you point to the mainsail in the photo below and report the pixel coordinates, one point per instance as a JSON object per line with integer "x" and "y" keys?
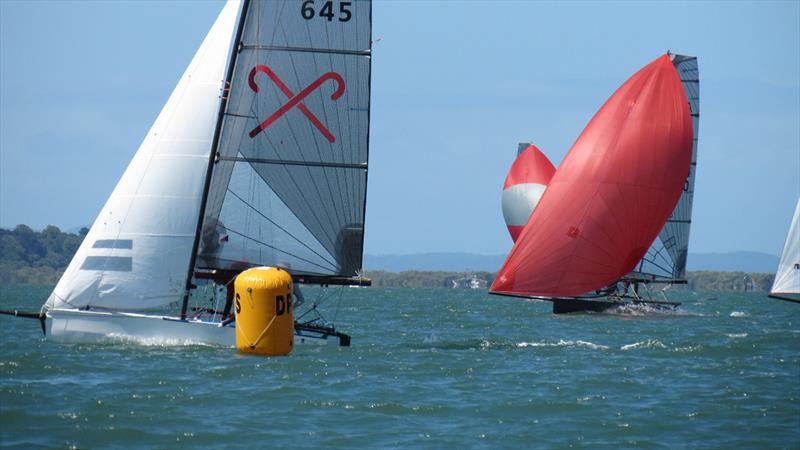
{"x": 665, "y": 260}
{"x": 612, "y": 195}
{"x": 787, "y": 278}
{"x": 290, "y": 177}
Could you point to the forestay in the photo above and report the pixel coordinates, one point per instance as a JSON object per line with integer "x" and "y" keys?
{"x": 666, "y": 258}
{"x": 137, "y": 252}
{"x": 289, "y": 181}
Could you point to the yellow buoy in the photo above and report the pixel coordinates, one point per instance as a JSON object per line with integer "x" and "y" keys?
{"x": 264, "y": 316}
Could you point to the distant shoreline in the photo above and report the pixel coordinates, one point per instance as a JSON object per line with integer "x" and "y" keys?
{"x": 40, "y": 257}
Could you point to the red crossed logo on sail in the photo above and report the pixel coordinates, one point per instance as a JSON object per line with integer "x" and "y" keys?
{"x": 295, "y": 100}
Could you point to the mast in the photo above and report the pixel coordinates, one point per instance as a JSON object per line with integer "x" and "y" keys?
{"x": 212, "y": 155}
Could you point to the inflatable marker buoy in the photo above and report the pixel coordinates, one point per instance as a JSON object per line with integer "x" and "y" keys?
{"x": 525, "y": 184}
{"x": 264, "y": 311}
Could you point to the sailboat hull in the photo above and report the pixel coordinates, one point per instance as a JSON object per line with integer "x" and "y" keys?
{"x": 786, "y": 297}
{"x": 77, "y": 326}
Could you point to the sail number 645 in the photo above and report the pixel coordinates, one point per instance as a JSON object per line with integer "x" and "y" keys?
{"x": 345, "y": 14}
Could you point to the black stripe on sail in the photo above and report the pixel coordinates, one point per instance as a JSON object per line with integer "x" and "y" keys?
{"x": 113, "y": 243}
{"x": 108, "y": 263}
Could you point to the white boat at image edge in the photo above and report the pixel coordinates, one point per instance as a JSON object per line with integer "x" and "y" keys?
{"x": 258, "y": 158}
{"x": 787, "y": 278}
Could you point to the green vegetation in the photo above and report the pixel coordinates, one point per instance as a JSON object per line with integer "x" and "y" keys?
{"x": 422, "y": 279}
{"x": 729, "y": 281}
{"x": 36, "y": 257}
{"x": 39, "y": 257}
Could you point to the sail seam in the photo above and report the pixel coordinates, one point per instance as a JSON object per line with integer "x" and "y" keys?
{"x": 308, "y": 50}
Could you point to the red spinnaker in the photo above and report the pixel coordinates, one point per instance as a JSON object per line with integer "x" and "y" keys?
{"x": 612, "y": 194}
{"x": 529, "y": 169}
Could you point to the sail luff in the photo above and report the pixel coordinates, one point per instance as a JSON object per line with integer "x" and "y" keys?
{"x": 366, "y": 172}
{"x": 213, "y": 153}
{"x": 787, "y": 278}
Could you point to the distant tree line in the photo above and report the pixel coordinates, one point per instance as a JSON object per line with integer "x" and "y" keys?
{"x": 40, "y": 257}
{"x": 36, "y": 257}
{"x": 422, "y": 278}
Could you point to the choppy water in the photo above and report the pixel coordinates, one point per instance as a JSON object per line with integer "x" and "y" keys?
{"x": 428, "y": 369}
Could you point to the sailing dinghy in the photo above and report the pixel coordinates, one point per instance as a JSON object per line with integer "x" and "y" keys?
{"x": 258, "y": 158}
{"x": 615, "y": 216}
{"x": 787, "y": 279}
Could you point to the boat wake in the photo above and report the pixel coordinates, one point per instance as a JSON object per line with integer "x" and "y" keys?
{"x": 467, "y": 344}
{"x": 649, "y": 343}
{"x": 563, "y": 343}
{"x": 646, "y": 309}
{"x": 153, "y": 341}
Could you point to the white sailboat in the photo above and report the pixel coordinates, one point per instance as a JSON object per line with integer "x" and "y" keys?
{"x": 259, "y": 157}
{"x": 787, "y": 278}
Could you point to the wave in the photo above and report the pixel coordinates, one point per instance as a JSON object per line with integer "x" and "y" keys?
{"x": 649, "y": 343}
{"x": 736, "y": 335}
{"x": 563, "y": 343}
{"x": 153, "y": 341}
{"x": 467, "y": 344}
{"x": 739, "y": 314}
{"x": 647, "y": 309}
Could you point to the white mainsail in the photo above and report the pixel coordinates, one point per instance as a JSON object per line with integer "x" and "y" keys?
{"x": 787, "y": 278}
{"x": 137, "y": 252}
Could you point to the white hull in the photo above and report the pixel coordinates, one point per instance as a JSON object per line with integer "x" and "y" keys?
{"x": 77, "y": 326}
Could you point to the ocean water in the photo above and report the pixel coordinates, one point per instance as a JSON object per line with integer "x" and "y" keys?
{"x": 431, "y": 368}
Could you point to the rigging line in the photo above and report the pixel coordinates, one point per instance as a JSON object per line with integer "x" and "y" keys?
{"x": 277, "y": 249}
{"x": 282, "y": 229}
{"x": 338, "y": 305}
{"x": 295, "y": 272}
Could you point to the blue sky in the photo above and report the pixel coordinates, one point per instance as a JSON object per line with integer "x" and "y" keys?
{"x": 456, "y": 85}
